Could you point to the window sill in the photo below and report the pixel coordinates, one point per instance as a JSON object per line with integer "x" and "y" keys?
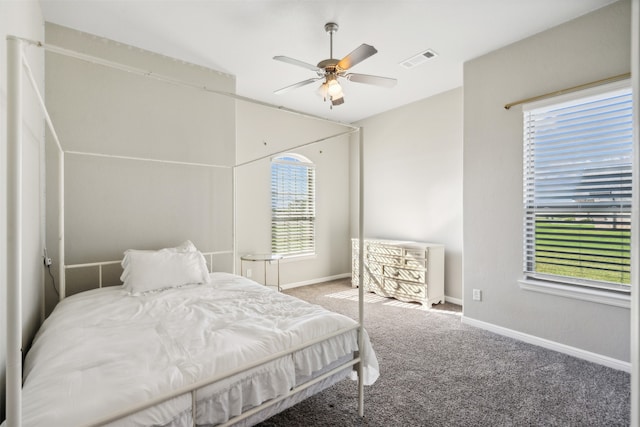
{"x": 294, "y": 258}
{"x": 617, "y": 299}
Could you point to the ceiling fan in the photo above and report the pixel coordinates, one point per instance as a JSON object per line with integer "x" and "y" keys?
{"x": 330, "y": 70}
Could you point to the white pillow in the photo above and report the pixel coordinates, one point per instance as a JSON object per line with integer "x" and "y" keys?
{"x": 186, "y": 246}
{"x": 153, "y": 270}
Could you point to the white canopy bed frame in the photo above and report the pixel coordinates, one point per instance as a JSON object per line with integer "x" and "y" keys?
{"x": 17, "y": 66}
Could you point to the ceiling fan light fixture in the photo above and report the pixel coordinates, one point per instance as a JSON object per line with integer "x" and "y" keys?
{"x": 331, "y": 69}
{"x": 334, "y": 88}
{"x": 323, "y": 90}
{"x": 337, "y": 100}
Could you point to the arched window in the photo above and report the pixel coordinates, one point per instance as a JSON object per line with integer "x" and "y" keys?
{"x": 293, "y": 205}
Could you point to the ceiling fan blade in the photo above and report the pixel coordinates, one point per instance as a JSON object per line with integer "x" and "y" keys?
{"x": 298, "y": 63}
{"x": 372, "y": 80}
{"x": 361, "y": 53}
{"x": 296, "y": 85}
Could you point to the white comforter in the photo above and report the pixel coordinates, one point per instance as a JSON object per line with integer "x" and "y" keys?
{"x": 104, "y": 350}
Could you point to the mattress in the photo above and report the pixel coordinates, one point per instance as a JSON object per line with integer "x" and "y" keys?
{"x": 104, "y": 350}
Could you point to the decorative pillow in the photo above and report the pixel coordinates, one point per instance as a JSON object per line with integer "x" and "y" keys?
{"x": 171, "y": 267}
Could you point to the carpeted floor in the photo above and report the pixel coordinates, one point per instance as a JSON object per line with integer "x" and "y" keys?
{"x": 436, "y": 371}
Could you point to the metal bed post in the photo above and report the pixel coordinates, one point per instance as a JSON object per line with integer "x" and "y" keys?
{"x": 361, "y": 269}
{"x": 62, "y": 286}
{"x": 234, "y": 235}
{"x": 14, "y": 233}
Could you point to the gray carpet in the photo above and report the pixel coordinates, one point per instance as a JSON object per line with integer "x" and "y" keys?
{"x": 436, "y": 371}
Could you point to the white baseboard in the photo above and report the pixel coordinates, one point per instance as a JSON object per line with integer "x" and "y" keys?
{"x": 314, "y": 281}
{"x": 344, "y": 276}
{"x": 551, "y": 345}
{"x": 452, "y": 300}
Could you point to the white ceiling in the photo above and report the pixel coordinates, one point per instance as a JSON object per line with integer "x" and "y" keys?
{"x": 241, "y": 37}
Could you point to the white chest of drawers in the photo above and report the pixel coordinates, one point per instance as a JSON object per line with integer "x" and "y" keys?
{"x": 404, "y": 270}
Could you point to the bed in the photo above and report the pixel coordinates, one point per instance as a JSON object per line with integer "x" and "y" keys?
{"x": 219, "y": 346}
{"x": 108, "y": 349}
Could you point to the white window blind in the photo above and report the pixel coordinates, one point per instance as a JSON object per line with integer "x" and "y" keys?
{"x": 293, "y": 207}
{"x": 577, "y": 190}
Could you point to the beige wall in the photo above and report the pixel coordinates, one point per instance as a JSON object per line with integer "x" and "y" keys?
{"x": 592, "y": 47}
{"x": 112, "y": 204}
{"x": 262, "y": 131}
{"x": 413, "y": 178}
{"x": 23, "y": 19}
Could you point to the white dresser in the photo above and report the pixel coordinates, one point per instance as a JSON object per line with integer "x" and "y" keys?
{"x": 407, "y": 271}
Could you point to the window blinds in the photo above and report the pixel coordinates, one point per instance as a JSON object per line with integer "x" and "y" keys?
{"x": 292, "y": 206}
{"x": 577, "y": 190}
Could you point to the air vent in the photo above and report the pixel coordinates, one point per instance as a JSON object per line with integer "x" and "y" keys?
{"x": 418, "y": 59}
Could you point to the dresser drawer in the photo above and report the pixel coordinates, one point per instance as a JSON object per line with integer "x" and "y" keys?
{"x": 383, "y": 259}
{"x": 415, "y": 253}
{"x": 415, "y": 262}
{"x": 375, "y": 268}
{"x": 406, "y": 289}
{"x": 373, "y": 248}
{"x": 403, "y": 274}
